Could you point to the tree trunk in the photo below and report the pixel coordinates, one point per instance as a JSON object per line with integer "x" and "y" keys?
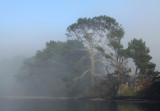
{"x": 136, "y": 70}
{"x": 92, "y": 64}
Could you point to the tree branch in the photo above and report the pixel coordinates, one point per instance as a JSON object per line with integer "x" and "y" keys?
{"x": 79, "y": 37}
{"x": 81, "y": 75}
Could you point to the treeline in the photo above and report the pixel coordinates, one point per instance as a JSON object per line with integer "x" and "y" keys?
{"x": 43, "y": 74}
{"x": 93, "y": 62}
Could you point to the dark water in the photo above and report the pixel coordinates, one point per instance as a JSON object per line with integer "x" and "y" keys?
{"x": 73, "y": 105}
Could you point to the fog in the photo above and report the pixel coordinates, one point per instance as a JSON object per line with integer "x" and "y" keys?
{"x": 26, "y": 26}
{"x": 15, "y": 81}
{"x": 9, "y": 86}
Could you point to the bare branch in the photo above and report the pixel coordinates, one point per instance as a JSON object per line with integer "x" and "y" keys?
{"x": 81, "y": 75}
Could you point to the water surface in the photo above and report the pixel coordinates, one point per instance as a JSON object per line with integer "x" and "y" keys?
{"x": 74, "y": 105}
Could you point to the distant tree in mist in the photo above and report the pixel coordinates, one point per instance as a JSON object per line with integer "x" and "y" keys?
{"x": 43, "y": 73}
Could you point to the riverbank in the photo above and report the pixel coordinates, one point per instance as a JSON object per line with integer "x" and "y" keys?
{"x": 122, "y": 99}
{"x": 107, "y": 99}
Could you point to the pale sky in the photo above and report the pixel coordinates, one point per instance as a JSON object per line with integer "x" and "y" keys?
{"x": 26, "y": 25}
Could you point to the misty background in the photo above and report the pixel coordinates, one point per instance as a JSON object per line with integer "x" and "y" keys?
{"x": 26, "y": 26}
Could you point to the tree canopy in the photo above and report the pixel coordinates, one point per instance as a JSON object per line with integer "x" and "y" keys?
{"x": 139, "y": 52}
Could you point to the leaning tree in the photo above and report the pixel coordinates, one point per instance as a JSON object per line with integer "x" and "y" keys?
{"x": 94, "y": 32}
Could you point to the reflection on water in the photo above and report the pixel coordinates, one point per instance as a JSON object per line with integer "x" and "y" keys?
{"x": 73, "y": 105}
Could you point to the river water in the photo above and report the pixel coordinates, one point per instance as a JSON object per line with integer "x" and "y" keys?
{"x": 74, "y": 105}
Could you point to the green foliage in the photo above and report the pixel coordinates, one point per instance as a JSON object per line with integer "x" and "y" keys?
{"x": 138, "y": 51}
{"x": 95, "y": 29}
{"x": 89, "y": 23}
